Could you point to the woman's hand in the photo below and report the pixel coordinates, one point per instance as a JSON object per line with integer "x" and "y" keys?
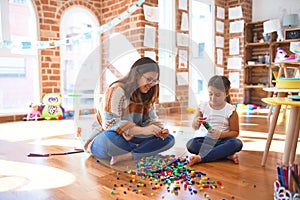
{"x": 156, "y": 131}
{"x": 152, "y": 130}
{"x": 214, "y": 134}
{"x": 198, "y": 121}
{"x": 148, "y": 130}
{"x": 163, "y": 134}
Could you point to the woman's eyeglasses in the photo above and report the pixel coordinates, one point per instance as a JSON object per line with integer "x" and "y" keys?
{"x": 150, "y": 80}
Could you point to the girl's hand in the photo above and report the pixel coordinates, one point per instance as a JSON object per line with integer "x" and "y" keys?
{"x": 214, "y": 134}
{"x": 198, "y": 121}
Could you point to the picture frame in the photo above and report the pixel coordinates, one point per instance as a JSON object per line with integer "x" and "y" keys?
{"x": 292, "y": 34}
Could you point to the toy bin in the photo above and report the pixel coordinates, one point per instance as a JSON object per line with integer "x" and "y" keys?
{"x": 281, "y": 193}
{"x": 288, "y": 83}
{"x": 287, "y": 186}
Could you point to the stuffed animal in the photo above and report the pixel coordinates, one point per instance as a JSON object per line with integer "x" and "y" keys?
{"x": 34, "y": 113}
{"x": 280, "y": 54}
{"x": 51, "y": 108}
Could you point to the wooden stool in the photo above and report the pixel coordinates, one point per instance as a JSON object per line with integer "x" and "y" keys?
{"x": 281, "y": 92}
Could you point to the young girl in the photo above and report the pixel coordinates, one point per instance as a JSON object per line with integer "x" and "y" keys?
{"x": 220, "y": 142}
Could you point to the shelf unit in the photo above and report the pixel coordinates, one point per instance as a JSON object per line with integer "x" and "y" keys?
{"x": 288, "y": 67}
{"x": 258, "y": 72}
{"x": 257, "y": 55}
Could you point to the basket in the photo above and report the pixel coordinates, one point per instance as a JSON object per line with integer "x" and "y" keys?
{"x": 288, "y": 83}
{"x": 281, "y": 193}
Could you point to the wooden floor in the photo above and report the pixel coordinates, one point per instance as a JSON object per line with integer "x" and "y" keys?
{"x": 80, "y": 176}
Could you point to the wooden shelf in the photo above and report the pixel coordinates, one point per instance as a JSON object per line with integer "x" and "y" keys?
{"x": 260, "y": 75}
{"x": 254, "y": 86}
{"x": 257, "y": 65}
{"x": 257, "y": 22}
{"x": 287, "y": 63}
{"x": 257, "y": 76}
{"x": 285, "y": 42}
{"x": 252, "y": 44}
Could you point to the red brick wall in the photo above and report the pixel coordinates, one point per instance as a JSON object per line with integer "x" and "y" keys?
{"x": 182, "y": 92}
{"x": 132, "y": 27}
{"x": 236, "y": 94}
{"x": 49, "y": 14}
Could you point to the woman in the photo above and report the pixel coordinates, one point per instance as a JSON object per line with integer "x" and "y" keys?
{"x": 127, "y": 126}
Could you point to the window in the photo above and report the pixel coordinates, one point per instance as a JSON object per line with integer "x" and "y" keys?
{"x": 18, "y": 66}
{"x": 201, "y": 65}
{"x": 80, "y": 57}
{"x": 167, "y": 50}
{"x": 12, "y": 67}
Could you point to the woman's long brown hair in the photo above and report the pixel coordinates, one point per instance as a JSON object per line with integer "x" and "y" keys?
{"x": 130, "y": 82}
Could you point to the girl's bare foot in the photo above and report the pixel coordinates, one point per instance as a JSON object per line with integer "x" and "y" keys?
{"x": 120, "y": 158}
{"x": 234, "y": 158}
{"x": 194, "y": 160}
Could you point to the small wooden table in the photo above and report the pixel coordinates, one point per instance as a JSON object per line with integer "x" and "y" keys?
{"x": 293, "y": 127}
{"x": 281, "y": 92}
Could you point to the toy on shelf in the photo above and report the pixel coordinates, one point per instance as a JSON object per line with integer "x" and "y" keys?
{"x": 34, "y": 112}
{"x": 52, "y": 108}
{"x": 281, "y": 56}
{"x": 291, "y": 58}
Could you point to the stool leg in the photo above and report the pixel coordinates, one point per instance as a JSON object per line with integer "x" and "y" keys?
{"x": 271, "y": 108}
{"x": 296, "y": 73}
{"x": 285, "y": 72}
{"x": 295, "y": 137}
{"x": 270, "y": 134}
{"x": 290, "y": 135}
{"x": 280, "y": 71}
{"x": 284, "y": 112}
{"x": 270, "y": 112}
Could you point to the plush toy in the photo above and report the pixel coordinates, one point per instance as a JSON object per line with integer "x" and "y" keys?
{"x": 34, "y": 113}
{"x": 52, "y": 108}
{"x": 280, "y": 54}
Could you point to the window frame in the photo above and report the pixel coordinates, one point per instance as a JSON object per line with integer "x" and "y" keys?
{"x": 167, "y": 51}
{"x": 78, "y": 57}
{"x": 26, "y": 57}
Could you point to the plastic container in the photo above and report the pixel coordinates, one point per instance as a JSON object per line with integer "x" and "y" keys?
{"x": 288, "y": 83}
{"x": 281, "y": 193}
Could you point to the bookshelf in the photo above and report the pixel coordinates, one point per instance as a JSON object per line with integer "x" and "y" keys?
{"x": 257, "y": 69}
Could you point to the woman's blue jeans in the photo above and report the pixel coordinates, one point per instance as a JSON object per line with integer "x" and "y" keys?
{"x": 110, "y": 143}
{"x": 212, "y": 150}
